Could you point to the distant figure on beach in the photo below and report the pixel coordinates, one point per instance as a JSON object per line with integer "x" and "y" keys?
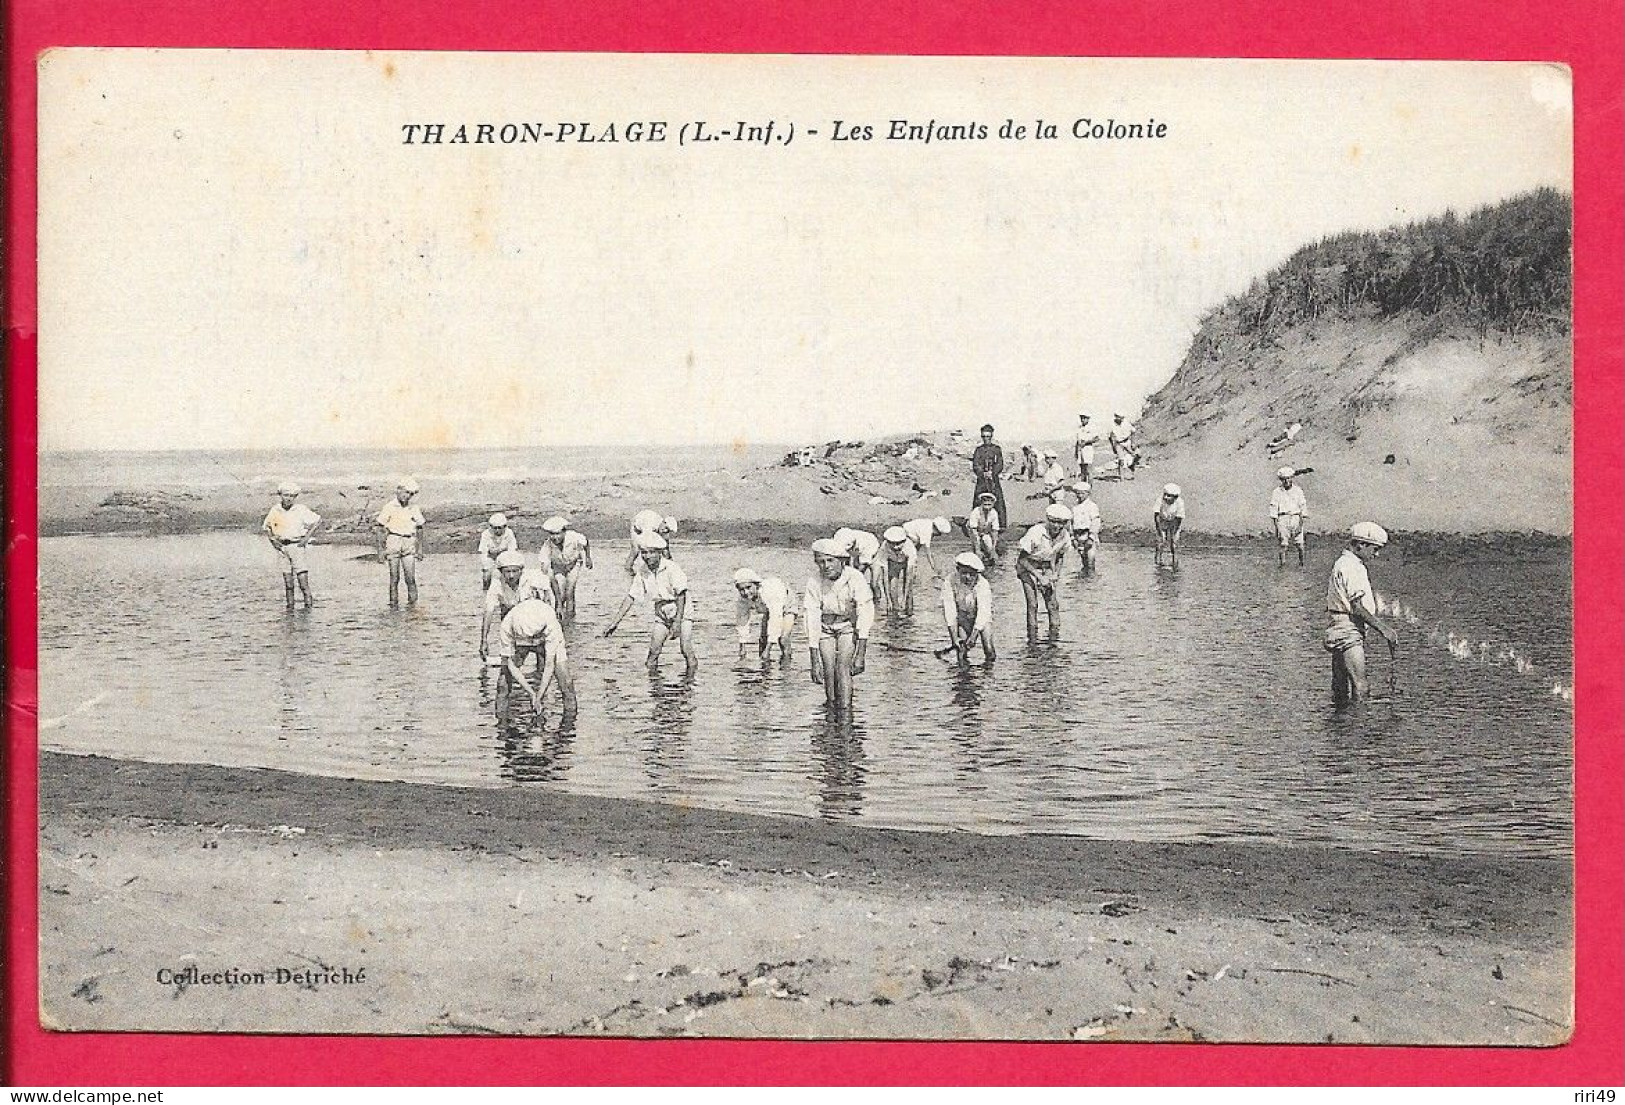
{"x": 657, "y": 577}
{"x": 402, "y": 525}
{"x": 1284, "y": 440}
{"x": 766, "y": 602}
{"x": 564, "y": 553}
{"x": 1351, "y": 605}
{"x": 646, "y": 522}
{"x": 967, "y": 608}
{"x": 988, "y": 464}
{"x": 1083, "y": 447}
{"x": 921, "y": 531}
{"x": 1121, "y": 437}
{"x": 1085, "y": 527}
{"x": 1287, "y": 512}
{"x": 288, "y": 527}
{"x": 1168, "y": 518}
{"x": 900, "y": 557}
{"x": 982, "y": 526}
{"x": 1038, "y": 567}
{"x": 531, "y": 628}
{"x": 863, "y": 550}
{"x": 840, "y": 611}
{"x": 1029, "y": 464}
{"x": 1054, "y": 475}
{"x": 513, "y": 583}
{"x": 495, "y": 539}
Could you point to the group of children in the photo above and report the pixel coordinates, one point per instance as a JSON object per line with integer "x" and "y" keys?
{"x": 855, "y": 572}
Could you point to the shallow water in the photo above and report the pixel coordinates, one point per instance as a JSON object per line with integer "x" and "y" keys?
{"x": 1177, "y": 705}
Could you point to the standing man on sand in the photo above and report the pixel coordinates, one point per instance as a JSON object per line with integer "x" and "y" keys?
{"x": 967, "y": 607}
{"x": 1287, "y": 512}
{"x": 840, "y": 611}
{"x": 1085, "y": 527}
{"x": 922, "y": 530}
{"x": 769, "y": 600}
{"x": 657, "y": 578}
{"x": 1083, "y": 449}
{"x": 1121, "y": 437}
{"x": 1351, "y": 606}
{"x": 1038, "y": 567}
{"x": 288, "y": 527}
{"x": 495, "y": 539}
{"x": 987, "y": 462}
{"x": 1168, "y": 518}
{"x": 402, "y": 525}
{"x": 532, "y": 629}
{"x": 564, "y": 553}
{"x": 983, "y": 528}
{"x": 512, "y": 585}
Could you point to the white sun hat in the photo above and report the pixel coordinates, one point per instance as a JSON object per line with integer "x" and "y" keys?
{"x": 1057, "y": 513}
{"x": 970, "y": 560}
{"x": 1370, "y": 533}
{"x": 555, "y": 524}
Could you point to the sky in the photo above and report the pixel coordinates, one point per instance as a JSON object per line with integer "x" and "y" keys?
{"x": 237, "y": 249}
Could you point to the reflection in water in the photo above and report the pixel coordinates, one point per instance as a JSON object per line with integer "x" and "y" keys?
{"x": 1176, "y": 706}
{"x": 838, "y": 747}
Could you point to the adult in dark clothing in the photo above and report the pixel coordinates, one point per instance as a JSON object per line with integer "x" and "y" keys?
{"x": 988, "y": 464}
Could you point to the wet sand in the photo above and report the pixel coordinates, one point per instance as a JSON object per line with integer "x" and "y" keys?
{"x": 528, "y": 911}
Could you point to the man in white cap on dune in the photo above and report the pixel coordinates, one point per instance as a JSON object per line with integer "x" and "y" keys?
{"x": 564, "y": 553}
{"x": 1351, "y": 606}
{"x": 921, "y": 531}
{"x": 1288, "y": 509}
{"x": 657, "y": 577}
{"x": 288, "y": 527}
{"x": 1038, "y": 567}
{"x": 967, "y": 608}
{"x": 495, "y": 539}
{"x": 402, "y": 525}
{"x": 1168, "y": 518}
{"x": 1083, "y": 447}
{"x": 900, "y": 559}
{"x": 767, "y": 602}
{"x": 512, "y": 584}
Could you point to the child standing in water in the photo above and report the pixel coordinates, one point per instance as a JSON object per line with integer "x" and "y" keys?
{"x": 288, "y": 527}
{"x": 1038, "y": 566}
{"x": 1169, "y": 517}
{"x": 657, "y": 578}
{"x": 900, "y": 557}
{"x": 495, "y": 539}
{"x": 402, "y": 524}
{"x": 1351, "y": 605}
{"x": 982, "y": 527}
{"x": 967, "y": 608}
{"x": 840, "y": 611}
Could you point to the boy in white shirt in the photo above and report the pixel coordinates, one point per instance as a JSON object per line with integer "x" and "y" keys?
{"x": 1038, "y": 567}
{"x": 532, "y": 629}
{"x": 1085, "y": 527}
{"x": 1083, "y": 449}
{"x": 288, "y": 527}
{"x": 921, "y": 531}
{"x": 495, "y": 539}
{"x": 1168, "y": 518}
{"x": 900, "y": 558}
{"x": 512, "y": 584}
{"x": 1288, "y": 509}
{"x": 657, "y": 578}
{"x": 982, "y": 527}
{"x": 564, "y": 554}
{"x": 769, "y": 600}
{"x": 402, "y": 525}
{"x": 967, "y": 607}
{"x": 1351, "y": 606}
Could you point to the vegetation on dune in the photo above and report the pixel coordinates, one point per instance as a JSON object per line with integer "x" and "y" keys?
{"x": 1505, "y": 268}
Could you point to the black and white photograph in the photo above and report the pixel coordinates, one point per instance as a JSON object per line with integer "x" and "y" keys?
{"x": 805, "y": 547}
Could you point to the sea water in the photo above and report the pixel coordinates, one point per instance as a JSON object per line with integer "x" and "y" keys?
{"x": 1177, "y": 705}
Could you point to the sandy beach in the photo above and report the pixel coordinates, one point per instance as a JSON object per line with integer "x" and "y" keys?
{"x": 535, "y": 912}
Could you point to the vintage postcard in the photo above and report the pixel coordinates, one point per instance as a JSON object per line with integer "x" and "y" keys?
{"x": 805, "y": 547}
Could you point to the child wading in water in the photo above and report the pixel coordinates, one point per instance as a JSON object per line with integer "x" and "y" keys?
{"x": 658, "y": 578}
{"x": 967, "y": 607}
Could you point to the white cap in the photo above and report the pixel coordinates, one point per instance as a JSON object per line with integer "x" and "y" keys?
{"x": 1370, "y": 533}
{"x": 1080, "y": 488}
{"x": 649, "y": 542}
{"x": 510, "y": 559}
{"x": 988, "y": 495}
{"x": 970, "y": 560}
{"x": 941, "y": 524}
{"x": 287, "y": 487}
{"x": 744, "y": 576}
{"x": 1171, "y": 490}
{"x": 828, "y": 546}
{"x": 408, "y": 484}
{"x": 555, "y": 524}
{"x": 895, "y": 535}
{"x": 1058, "y": 513}
{"x": 497, "y": 520}
{"x": 1285, "y": 472}
{"x": 668, "y": 524}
